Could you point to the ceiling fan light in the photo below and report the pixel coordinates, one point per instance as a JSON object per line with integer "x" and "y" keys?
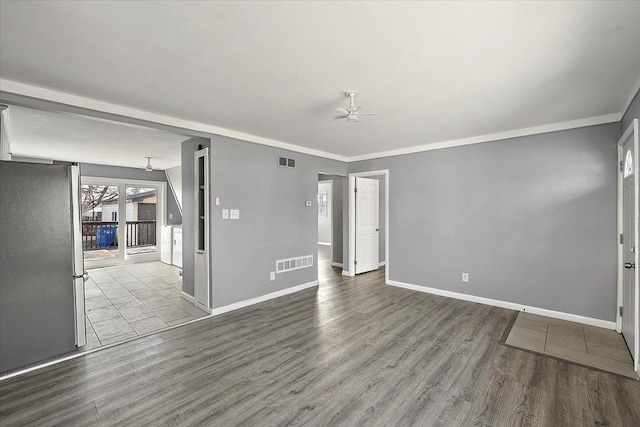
{"x": 352, "y": 117}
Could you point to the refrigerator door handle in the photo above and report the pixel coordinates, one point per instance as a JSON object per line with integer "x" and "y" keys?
{"x": 78, "y": 261}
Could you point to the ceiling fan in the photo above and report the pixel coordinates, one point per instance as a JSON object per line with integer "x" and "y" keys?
{"x": 352, "y": 113}
{"x": 148, "y": 167}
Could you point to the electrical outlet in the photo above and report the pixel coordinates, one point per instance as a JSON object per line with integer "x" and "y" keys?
{"x": 234, "y": 213}
{"x": 272, "y": 275}
{"x": 465, "y": 277}
{"x": 225, "y": 213}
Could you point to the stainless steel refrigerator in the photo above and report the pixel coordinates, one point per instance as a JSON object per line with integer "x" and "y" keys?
{"x": 41, "y": 264}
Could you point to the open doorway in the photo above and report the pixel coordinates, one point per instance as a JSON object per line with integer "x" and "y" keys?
{"x": 368, "y": 222}
{"x": 330, "y": 202}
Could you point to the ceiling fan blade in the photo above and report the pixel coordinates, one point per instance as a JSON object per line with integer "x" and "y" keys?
{"x": 366, "y": 114}
{"x": 342, "y": 111}
{"x": 339, "y": 117}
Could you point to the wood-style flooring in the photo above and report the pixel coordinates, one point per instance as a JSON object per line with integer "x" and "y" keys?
{"x": 351, "y": 352}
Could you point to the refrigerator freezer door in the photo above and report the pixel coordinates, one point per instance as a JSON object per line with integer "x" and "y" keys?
{"x": 78, "y": 261}
{"x": 36, "y": 264}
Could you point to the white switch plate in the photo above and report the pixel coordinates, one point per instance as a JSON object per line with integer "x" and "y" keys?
{"x": 308, "y": 203}
{"x": 272, "y": 275}
{"x": 225, "y": 213}
{"x": 217, "y": 201}
{"x": 234, "y": 213}
{"x": 465, "y": 277}
{"x": 170, "y": 216}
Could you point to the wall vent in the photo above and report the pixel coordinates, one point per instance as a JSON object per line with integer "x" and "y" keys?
{"x": 286, "y": 163}
{"x": 290, "y": 264}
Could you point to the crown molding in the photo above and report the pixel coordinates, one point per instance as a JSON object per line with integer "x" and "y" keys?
{"x": 22, "y": 89}
{"x": 591, "y": 121}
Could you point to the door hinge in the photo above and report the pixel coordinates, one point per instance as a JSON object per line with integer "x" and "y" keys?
{"x": 621, "y": 238}
{"x": 355, "y": 189}
{"x": 355, "y": 262}
{"x": 620, "y": 311}
{"x": 621, "y": 165}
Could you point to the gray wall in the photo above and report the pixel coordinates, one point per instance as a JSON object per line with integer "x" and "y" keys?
{"x": 104, "y": 171}
{"x": 531, "y": 219}
{"x": 274, "y": 221}
{"x": 189, "y": 147}
{"x": 338, "y": 213}
{"x": 633, "y": 112}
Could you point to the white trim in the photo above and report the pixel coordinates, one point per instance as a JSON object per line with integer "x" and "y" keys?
{"x": 382, "y": 264}
{"x": 5, "y": 150}
{"x": 352, "y": 217}
{"x": 26, "y": 90}
{"x": 346, "y": 273}
{"x": 336, "y": 264}
{"x": 633, "y": 131}
{"x": 508, "y": 305}
{"x": 324, "y": 243}
{"x": 634, "y": 92}
{"x": 591, "y": 121}
{"x": 121, "y": 110}
{"x": 187, "y": 297}
{"x": 262, "y": 298}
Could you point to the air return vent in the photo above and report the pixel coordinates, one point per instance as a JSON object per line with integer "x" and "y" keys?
{"x": 289, "y": 264}
{"x": 286, "y": 163}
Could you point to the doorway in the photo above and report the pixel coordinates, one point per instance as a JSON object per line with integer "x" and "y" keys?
{"x": 116, "y": 228}
{"x": 368, "y": 222}
{"x": 628, "y": 214}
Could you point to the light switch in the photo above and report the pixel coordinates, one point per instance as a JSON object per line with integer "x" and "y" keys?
{"x": 235, "y": 213}
{"x": 170, "y": 216}
{"x": 225, "y": 213}
{"x": 217, "y": 201}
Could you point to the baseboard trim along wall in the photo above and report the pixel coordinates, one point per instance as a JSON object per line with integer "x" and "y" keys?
{"x": 346, "y": 273}
{"x": 262, "y": 298}
{"x": 509, "y": 305}
{"x": 382, "y": 264}
{"x": 324, "y": 243}
{"x": 337, "y": 264}
{"x": 187, "y": 297}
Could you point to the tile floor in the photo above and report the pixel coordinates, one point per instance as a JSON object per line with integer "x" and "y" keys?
{"x": 135, "y": 299}
{"x": 587, "y": 345}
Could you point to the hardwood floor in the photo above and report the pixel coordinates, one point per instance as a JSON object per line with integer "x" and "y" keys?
{"x": 351, "y": 352}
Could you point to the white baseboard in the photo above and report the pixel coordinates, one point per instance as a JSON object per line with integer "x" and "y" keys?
{"x": 337, "y": 264}
{"x": 382, "y": 264}
{"x": 262, "y": 298}
{"x": 346, "y": 273}
{"x": 325, "y": 243}
{"x": 187, "y": 297}
{"x": 509, "y": 305}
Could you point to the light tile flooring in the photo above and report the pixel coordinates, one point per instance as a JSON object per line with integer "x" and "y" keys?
{"x": 134, "y": 299}
{"x": 587, "y": 345}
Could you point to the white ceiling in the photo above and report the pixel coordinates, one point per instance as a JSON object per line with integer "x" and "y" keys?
{"x": 69, "y": 137}
{"x": 430, "y": 71}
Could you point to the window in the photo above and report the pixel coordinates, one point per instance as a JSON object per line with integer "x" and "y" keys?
{"x": 628, "y": 164}
{"x": 322, "y": 204}
{"x": 114, "y": 216}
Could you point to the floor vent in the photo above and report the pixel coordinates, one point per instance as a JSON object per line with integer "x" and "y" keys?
{"x": 286, "y": 163}
{"x": 289, "y": 264}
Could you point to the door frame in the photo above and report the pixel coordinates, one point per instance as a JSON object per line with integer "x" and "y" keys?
{"x": 630, "y": 133}
{"x": 329, "y": 212}
{"x": 161, "y": 212}
{"x": 352, "y": 220}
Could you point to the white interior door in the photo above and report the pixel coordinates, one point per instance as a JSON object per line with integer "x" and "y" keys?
{"x": 367, "y": 224}
{"x": 629, "y": 204}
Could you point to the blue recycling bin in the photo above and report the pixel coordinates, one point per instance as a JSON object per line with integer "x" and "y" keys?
{"x": 105, "y": 235}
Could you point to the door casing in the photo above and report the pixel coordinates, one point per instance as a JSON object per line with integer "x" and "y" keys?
{"x": 631, "y": 132}
{"x": 352, "y": 220}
